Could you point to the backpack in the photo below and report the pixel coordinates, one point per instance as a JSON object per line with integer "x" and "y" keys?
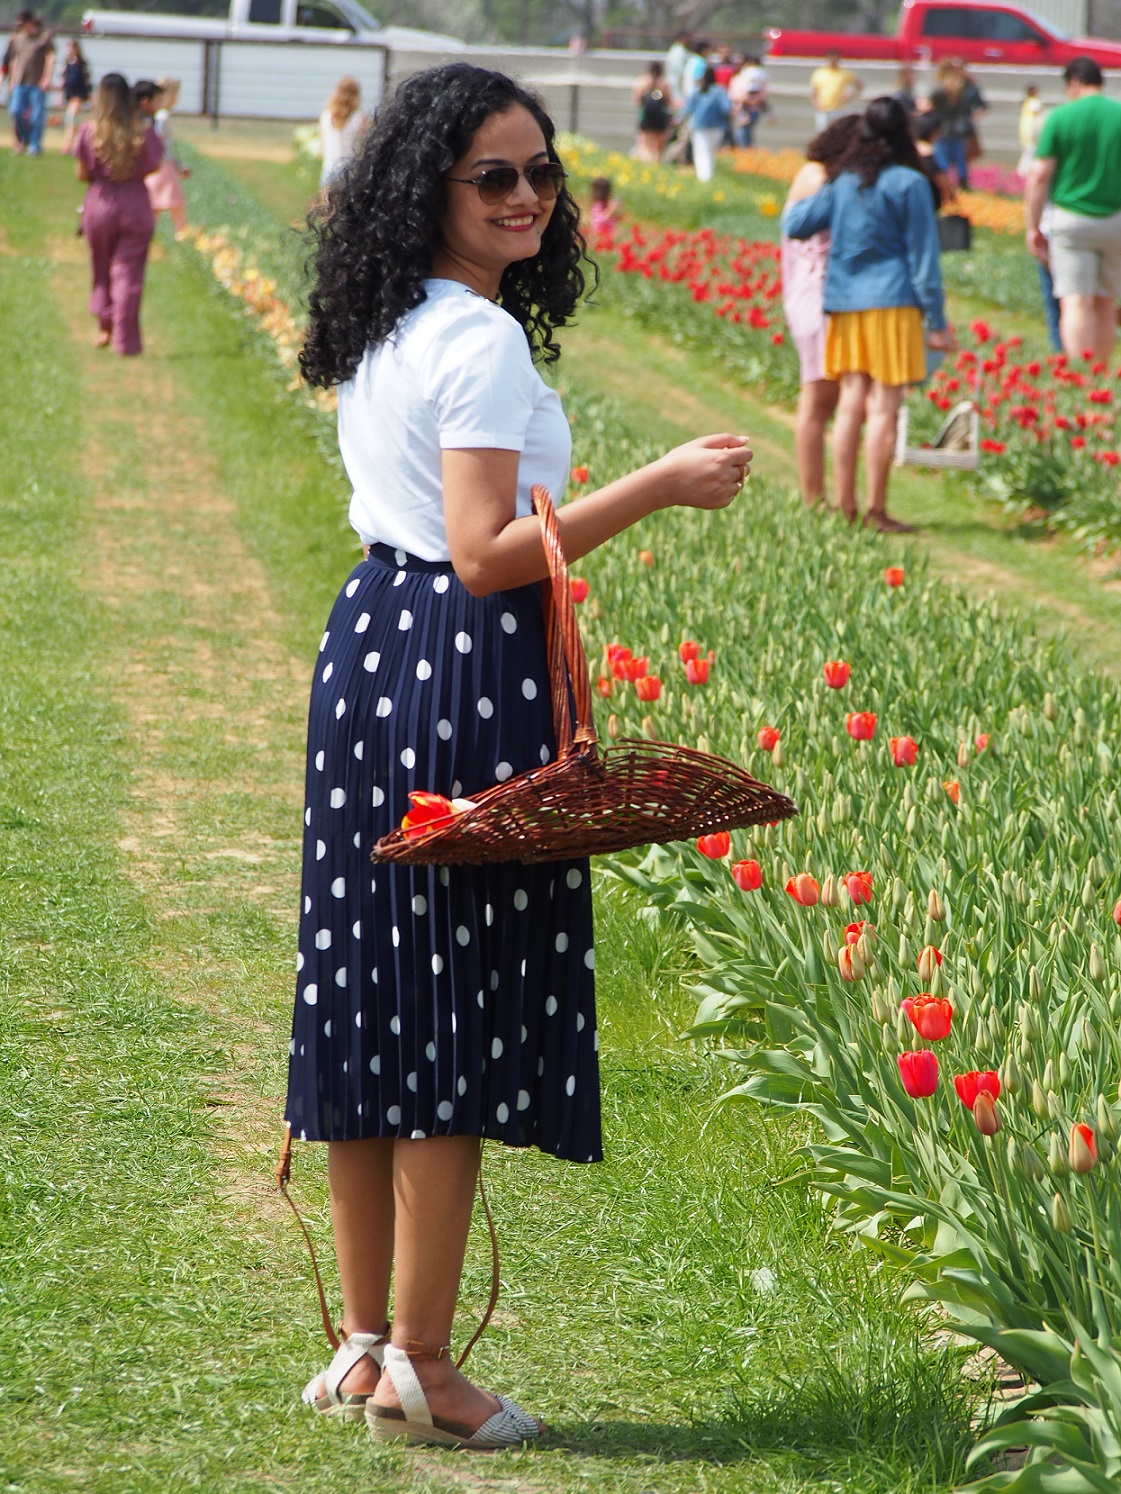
{"x": 654, "y": 112}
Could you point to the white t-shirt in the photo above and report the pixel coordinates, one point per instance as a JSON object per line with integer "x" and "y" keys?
{"x": 336, "y": 144}
{"x": 455, "y": 374}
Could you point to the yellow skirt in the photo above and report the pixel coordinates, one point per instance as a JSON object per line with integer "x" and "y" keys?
{"x": 886, "y": 343}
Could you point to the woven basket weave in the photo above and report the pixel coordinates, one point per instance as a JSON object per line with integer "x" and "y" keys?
{"x": 586, "y": 801}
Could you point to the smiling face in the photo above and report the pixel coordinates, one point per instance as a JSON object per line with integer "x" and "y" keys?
{"x": 478, "y": 240}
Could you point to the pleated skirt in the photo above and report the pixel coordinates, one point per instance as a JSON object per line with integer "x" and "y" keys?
{"x": 886, "y": 343}
{"x": 435, "y": 1001}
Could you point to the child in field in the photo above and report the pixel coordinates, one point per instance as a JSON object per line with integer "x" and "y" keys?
{"x": 165, "y": 186}
{"x": 605, "y": 210}
{"x": 76, "y": 91}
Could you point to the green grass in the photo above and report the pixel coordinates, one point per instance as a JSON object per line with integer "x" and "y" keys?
{"x": 168, "y": 552}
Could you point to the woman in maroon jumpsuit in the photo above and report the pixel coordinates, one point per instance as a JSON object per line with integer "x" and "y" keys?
{"x": 115, "y": 152}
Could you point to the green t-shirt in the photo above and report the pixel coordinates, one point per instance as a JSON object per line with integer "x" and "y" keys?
{"x": 1084, "y": 137}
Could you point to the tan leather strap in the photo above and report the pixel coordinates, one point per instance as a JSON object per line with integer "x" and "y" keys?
{"x": 568, "y": 664}
{"x": 283, "y": 1177}
{"x": 283, "y": 1174}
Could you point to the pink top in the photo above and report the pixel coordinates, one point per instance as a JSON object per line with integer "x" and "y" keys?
{"x": 148, "y": 158}
{"x": 601, "y": 216}
{"x": 803, "y": 282}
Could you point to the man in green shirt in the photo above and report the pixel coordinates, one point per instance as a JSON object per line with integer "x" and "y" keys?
{"x": 1078, "y": 167}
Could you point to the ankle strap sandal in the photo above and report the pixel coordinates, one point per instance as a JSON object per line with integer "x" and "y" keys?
{"x": 414, "y": 1422}
{"x": 322, "y": 1392}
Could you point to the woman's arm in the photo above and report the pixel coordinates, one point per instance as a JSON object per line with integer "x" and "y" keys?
{"x": 920, "y": 228}
{"x": 801, "y": 220}
{"x": 492, "y": 550}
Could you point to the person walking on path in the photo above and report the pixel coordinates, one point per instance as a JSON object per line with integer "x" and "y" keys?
{"x": 654, "y": 105}
{"x": 832, "y": 89}
{"x": 165, "y": 185}
{"x": 339, "y": 128}
{"x": 31, "y": 58}
{"x": 114, "y": 152}
{"x": 1078, "y": 167}
{"x": 1031, "y": 121}
{"x": 953, "y": 101}
{"x": 708, "y": 110}
{"x": 748, "y": 95}
{"x": 436, "y": 1006}
{"x": 882, "y": 278}
{"x": 803, "y": 283}
{"x": 76, "y": 92}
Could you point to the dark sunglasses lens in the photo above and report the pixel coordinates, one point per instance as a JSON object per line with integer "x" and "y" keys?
{"x": 546, "y": 180}
{"x": 496, "y": 184}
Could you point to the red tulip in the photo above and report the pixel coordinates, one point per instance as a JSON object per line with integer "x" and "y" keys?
{"x": 893, "y": 575}
{"x": 803, "y": 889}
{"x": 696, "y": 671}
{"x": 747, "y": 875}
{"x": 1083, "y": 1154}
{"x": 930, "y": 1016}
{"x": 715, "y": 846}
{"x": 605, "y": 685}
{"x": 426, "y": 811}
{"x": 981, "y": 741}
{"x": 616, "y": 651}
{"x": 1117, "y": 911}
{"x": 970, "y": 1085}
{"x": 630, "y": 668}
{"x": 904, "y": 751}
{"x": 929, "y": 959}
{"x": 688, "y": 650}
{"x": 849, "y": 962}
{"x": 646, "y": 557}
{"x": 861, "y": 725}
{"x": 858, "y": 885}
{"x": 853, "y": 931}
{"x": 837, "y": 674}
{"x": 649, "y": 687}
{"x": 953, "y": 788}
{"x": 767, "y": 737}
{"x": 579, "y": 476}
{"x": 986, "y": 1114}
{"x": 579, "y": 588}
{"x": 919, "y": 1073}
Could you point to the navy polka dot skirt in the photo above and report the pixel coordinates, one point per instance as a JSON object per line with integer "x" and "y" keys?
{"x": 435, "y": 1001}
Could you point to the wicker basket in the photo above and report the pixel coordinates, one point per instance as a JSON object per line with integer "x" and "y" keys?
{"x": 587, "y": 801}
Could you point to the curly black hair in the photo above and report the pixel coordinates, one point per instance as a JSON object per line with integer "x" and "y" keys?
{"x": 884, "y": 139}
{"x": 378, "y": 228}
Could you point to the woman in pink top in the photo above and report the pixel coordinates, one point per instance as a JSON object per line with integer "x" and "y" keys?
{"x": 803, "y": 277}
{"x": 115, "y": 152}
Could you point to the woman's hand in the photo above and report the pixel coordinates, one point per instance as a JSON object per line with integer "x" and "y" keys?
{"x": 941, "y": 342}
{"x": 705, "y": 473}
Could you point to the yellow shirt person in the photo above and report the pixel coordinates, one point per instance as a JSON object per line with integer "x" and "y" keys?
{"x": 831, "y": 88}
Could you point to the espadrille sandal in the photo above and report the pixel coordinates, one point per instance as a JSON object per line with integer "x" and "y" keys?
{"x": 322, "y": 1392}
{"x": 510, "y": 1426}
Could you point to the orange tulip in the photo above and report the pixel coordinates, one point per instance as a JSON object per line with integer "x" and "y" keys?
{"x": 579, "y": 588}
{"x": 893, "y": 575}
{"x": 858, "y": 885}
{"x": 930, "y": 1016}
{"x": 904, "y": 751}
{"x": 696, "y": 671}
{"x": 426, "y": 812}
{"x": 837, "y": 673}
{"x": 803, "y": 889}
{"x": 986, "y": 1114}
{"x": 853, "y": 931}
{"x": 579, "y": 476}
{"x": 605, "y": 685}
{"x": 849, "y": 962}
{"x": 747, "y": 875}
{"x": 767, "y": 737}
{"x": 953, "y": 788}
{"x": 649, "y": 687}
{"x": 646, "y": 557}
{"x": 861, "y": 725}
{"x": 688, "y": 650}
{"x": 715, "y": 846}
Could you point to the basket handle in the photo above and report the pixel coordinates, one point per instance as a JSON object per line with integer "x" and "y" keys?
{"x": 567, "y": 660}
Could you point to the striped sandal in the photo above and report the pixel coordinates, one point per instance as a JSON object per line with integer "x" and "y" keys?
{"x": 323, "y": 1394}
{"x": 414, "y": 1422}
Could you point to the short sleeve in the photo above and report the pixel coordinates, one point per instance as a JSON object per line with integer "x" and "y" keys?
{"x": 1046, "y": 145}
{"x": 151, "y": 153}
{"x": 83, "y": 146}
{"x": 480, "y": 381}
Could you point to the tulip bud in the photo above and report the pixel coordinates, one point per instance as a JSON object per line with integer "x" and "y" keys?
{"x": 910, "y": 911}
{"x": 898, "y": 894}
{"x": 892, "y": 991}
{"x": 1088, "y": 898}
{"x": 1060, "y": 1215}
{"x": 985, "y": 1114}
{"x": 703, "y": 744}
{"x": 934, "y": 907}
{"x": 1097, "y": 964}
{"x": 1078, "y": 922}
{"x": 1038, "y": 1099}
{"x": 1083, "y": 1154}
{"x": 778, "y": 757}
{"x": 822, "y": 822}
{"x": 996, "y": 1030}
{"x": 827, "y": 946}
{"x": 888, "y": 1040}
{"x": 849, "y": 962}
{"x": 963, "y": 754}
{"x": 829, "y": 898}
{"x": 1035, "y": 986}
{"x": 1010, "y": 1076}
{"x": 1056, "y": 1157}
{"x": 1031, "y": 1163}
{"x": 650, "y": 732}
{"x": 1029, "y": 1022}
{"x": 612, "y": 726}
{"x": 929, "y": 962}
{"x": 1049, "y": 706}
{"x": 937, "y": 981}
{"x": 1107, "y": 1121}
{"x": 840, "y": 809}
{"x": 980, "y": 1034}
{"x": 1049, "y": 1074}
{"x": 912, "y": 822}
{"x": 1104, "y": 760}
{"x": 1090, "y": 1039}
{"x": 903, "y": 1029}
{"x": 882, "y": 1012}
{"x": 905, "y": 953}
{"x": 1097, "y": 870}
{"x": 1026, "y": 1048}
{"x": 1081, "y": 727}
{"x": 1064, "y": 1071}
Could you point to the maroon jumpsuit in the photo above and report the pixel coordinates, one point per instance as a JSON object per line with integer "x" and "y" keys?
{"x": 118, "y": 223}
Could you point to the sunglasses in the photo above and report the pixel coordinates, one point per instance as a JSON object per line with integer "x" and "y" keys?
{"x": 496, "y": 183}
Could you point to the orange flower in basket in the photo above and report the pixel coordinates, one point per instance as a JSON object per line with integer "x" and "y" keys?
{"x": 426, "y": 812}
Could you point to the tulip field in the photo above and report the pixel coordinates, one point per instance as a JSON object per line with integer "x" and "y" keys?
{"x": 927, "y": 960}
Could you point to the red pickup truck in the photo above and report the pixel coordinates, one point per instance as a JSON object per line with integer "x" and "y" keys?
{"x": 992, "y": 35}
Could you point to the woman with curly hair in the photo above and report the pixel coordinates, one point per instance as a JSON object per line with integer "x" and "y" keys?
{"x": 882, "y": 279}
{"x": 437, "y": 1006}
{"x": 114, "y": 153}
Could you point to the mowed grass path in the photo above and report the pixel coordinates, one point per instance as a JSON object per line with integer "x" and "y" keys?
{"x": 170, "y": 539}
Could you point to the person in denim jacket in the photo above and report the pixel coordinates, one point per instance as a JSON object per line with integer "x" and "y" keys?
{"x": 883, "y": 281}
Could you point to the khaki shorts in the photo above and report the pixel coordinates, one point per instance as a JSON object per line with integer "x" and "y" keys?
{"x": 1085, "y": 254}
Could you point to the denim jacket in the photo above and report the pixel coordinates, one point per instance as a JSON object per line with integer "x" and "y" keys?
{"x": 710, "y": 110}
{"x": 884, "y": 242}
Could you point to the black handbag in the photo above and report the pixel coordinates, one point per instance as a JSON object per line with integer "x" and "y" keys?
{"x": 954, "y": 233}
